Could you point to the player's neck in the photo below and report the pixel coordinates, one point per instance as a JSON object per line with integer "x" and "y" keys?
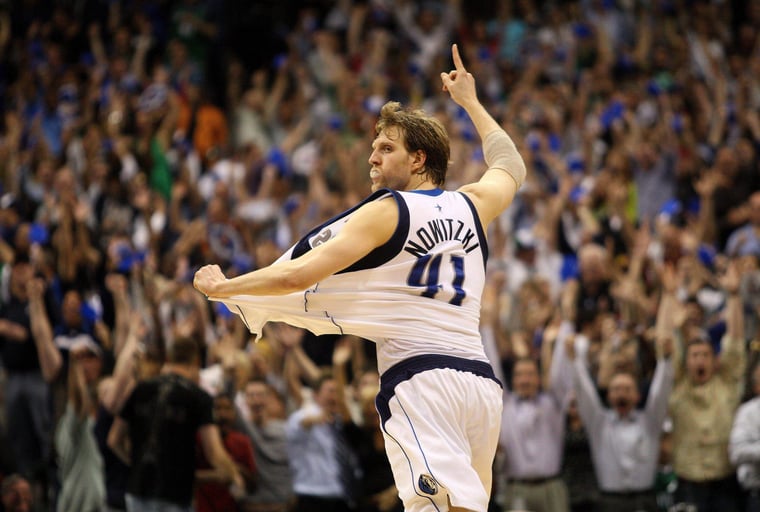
{"x": 421, "y": 183}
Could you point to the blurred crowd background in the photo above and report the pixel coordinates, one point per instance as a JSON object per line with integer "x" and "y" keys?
{"x": 142, "y": 139}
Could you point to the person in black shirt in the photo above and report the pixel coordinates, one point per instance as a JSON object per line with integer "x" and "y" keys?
{"x": 31, "y": 362}
{"x": 160, "y": 421}
{"x": 379, "y": 492}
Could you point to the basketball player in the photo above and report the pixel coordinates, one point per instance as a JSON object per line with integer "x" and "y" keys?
{"x": 406, "y": 268}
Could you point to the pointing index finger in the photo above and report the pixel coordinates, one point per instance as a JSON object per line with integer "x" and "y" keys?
{"x": 458, "y": 64}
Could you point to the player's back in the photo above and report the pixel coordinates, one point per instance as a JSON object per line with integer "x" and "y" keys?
{"x": 430, "y": 276}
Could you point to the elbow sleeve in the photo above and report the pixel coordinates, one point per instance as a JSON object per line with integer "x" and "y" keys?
{"x": 501, "y": 153}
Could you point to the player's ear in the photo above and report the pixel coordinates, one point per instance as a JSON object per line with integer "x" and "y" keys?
{"x": 418, "y": 160}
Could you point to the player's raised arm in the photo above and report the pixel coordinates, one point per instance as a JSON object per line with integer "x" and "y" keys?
{"x": 506, "y": 169}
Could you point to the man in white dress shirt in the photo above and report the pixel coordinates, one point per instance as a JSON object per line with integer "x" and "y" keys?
{"x": 533, "y": 432}
{"x": 744, "y": 446}
{"x": 625, "y": 442}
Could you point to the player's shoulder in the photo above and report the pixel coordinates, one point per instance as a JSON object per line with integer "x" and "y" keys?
{"x": 491, "y": 195}
{"x": 381, "y": 207}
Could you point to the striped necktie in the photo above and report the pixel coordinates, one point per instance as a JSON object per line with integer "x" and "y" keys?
{"x": 347, "y": 463}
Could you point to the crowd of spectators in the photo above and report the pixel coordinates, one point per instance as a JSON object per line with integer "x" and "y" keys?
{"x": 140, "y": 140}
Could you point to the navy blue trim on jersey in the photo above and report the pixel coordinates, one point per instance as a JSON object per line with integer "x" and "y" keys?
{"x": 408, "y": 368}
{"x": 433, "y": 192}
{"x": 386, "y": 252}
{"x": 302, "y": 247}
{"x": 478, "y": 228}
{"x": 379, "y": 255}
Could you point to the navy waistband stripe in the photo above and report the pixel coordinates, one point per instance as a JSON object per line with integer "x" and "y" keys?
{"x": 408, "y": 368}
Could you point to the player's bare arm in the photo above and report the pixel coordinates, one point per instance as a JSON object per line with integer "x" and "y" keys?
{"x": 370, "y": 227}
{"x": 496, "y": 189}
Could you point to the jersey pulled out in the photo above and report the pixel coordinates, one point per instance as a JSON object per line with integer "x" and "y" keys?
{"x": 419, "y": 293}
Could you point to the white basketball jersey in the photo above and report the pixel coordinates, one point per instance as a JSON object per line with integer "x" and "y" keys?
{"x": 419, "y": 293}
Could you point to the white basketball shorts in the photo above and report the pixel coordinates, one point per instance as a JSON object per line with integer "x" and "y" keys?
{"x": 441, "y": 418}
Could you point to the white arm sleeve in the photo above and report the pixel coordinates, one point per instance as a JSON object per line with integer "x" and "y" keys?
{"x": 501, "y": 153}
